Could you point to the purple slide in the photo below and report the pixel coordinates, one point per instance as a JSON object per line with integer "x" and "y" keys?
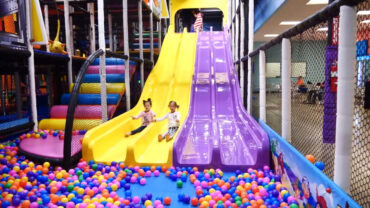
{"x": 218, "y": 132}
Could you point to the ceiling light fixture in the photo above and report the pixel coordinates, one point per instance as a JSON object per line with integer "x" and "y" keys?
{"x": 363, "y": 12}
{"x": 270, "y": 35}
{"x": 323, "y": 29}
{"x": 316, "y": 2}
{"x": 290, "y": 22}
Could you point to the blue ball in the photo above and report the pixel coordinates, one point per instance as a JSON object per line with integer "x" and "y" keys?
{"x": 186, "y": 199}
{"x": 181, "y": 197}
{"x": 320, "y": 165}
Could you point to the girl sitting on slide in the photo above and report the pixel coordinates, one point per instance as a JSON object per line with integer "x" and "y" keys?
{"x": 173, "y": 121}
{"x": 147, "y": 117}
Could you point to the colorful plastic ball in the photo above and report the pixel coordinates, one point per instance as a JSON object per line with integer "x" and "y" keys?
{"x": 194, "y": 201}
{"x": 147, "y": 203}
{"x": 143, "y": 181}
{"x": 320, "y": 165}
{"x": 311, "y": 158}
{"x": 179, "y": 184}
{"x": 156, "y": 173}
{"x": 293, "y": 206}
{"x": 133, "y": 179}
{"x": 167, "y": 201}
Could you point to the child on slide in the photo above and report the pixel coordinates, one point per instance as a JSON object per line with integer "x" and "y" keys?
{"x": 147, "y": 117}
{"x": 173, "y": 118}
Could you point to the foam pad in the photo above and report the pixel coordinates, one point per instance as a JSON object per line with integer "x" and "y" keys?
{"x": 94, "y": 88}
{"x": 112, "y": 61}
{"x": 145, "y": 45}
{"x": 110, "y": 78}
{"x": 82, "y": 111}
{"x": 113, "y": 69}
{"x": 78, "y": 124}
{"x": 91, "y": 99}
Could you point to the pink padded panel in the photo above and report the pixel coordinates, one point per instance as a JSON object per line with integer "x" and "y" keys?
{"x": 82, "y": 111}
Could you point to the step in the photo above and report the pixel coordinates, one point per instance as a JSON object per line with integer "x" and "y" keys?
{"x": 112, "y": 61}
{"x": 110, "y": 78}
{"x": 91, "y": 99}
{"x": 59, "y": 124}
{"x": 82, "y": 111}
{"x": 113, "y": 69}
{"x": 94, "y": 88}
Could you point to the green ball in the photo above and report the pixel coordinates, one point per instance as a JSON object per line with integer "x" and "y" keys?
{"x": 220, "y": 202}
{"x": 238, "y": 203}
{"x": 179, "y": 184}
{"x": 79, "y": 173}
{"x": 94, "y": 166}
{"x": 81, "y": 178}
{"x": 8, "y": 185}
{"x": 238, "y": 198}
{"x": 70, "y": 187}
{"x": 293, "y": 206}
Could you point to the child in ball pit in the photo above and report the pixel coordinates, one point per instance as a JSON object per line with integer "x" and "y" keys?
{"x": 147, "y": 117}
{"x": 173, "y": 118}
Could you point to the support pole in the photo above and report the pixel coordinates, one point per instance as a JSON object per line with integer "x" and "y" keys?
{"x": 92, "y": 27}
{"x": 237, "y": 32}
{"x": 31, "y": 69}
{"x": 71, "y": 9}
{"x": 242, "y": 41}
{"x": 126, "y": 52}
{"x": 345, "y": 96}
{"x": 262, "y": 81}
{"x": 250, "y": 49}
{"x": 68, "y": 41}
{"x": 233, "y": 29}
{"x": 2, "y": 96}
{"x": 141, "y": 54}
{"x": 18, "y": 93}
{"x": 103, "y": 87}
{"x": 229, "y": 16}
{"x": 151, "y": 33}
{"x": 46, "y": 17}
{"x": 110, "y": 32}
{"x": 286, "y": 89}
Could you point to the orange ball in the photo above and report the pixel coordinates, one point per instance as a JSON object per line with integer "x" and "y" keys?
{"x": 283, "y": 204}
{"x": 90, "y": 193}
{"x": 167, "y": 201}
{"x": 194, "y": 202}
{"x": 25, "y": 204}
{"x": 53, "y": 190}
{"x": 311, "y": 158}
{"x": 260, "y": 202}
{"x": 199, "y": 191}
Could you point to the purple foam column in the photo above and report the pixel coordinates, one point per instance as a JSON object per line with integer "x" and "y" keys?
{"x": 330, "y": 98}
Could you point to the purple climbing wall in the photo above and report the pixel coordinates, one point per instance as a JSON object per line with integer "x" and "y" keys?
{"x": 330, "y": 98}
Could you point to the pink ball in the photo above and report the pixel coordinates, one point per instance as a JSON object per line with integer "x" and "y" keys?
{"x": 82, "y": 205}
{"x": 263, "y": 192}
{"x": 136, "y": 200}
{"x": 207, "y": 176}
{"x": 290, "y": 199}
{"x": 196, "y": 174}
{"x": 257, "y": 197}
{"x": 156, "y": 173}
{"x": 196, "y": 183}
{"x": 211, "y": 203}
{"x": 143, "y": 181}
{"x": 157, "y": 202}
{"x": 204, "y": 184}
{"x": 160, "y": 206}
{"x": 266, "y": 180}
{"x": 136, "y": 168}
{"x": 133, "y": 179}
{"x": 266, "y": 168}
{"x": 70, "y": 205}
{"x": 250, "y": 170}
{"x": 178, "y": 174}
{"x": 148, "y": 173}
{"x": 100, "y": 206}
{"x": 227, "y": 203}
{"x": 113, "y": 194}
{"x": 150, "y": 206}
{"x": 241, "y": 183}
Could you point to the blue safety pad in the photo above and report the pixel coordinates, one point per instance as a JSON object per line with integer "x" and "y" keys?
{"x": 91, "y": 99}
{"x": 361, "y": 48}
{"x": 145, "y": 45}
{"x": 112, "y": 61}
{"x": 10, "y": 124}
{"x": 11, "y": 117}
{"x": 110, "y": 78}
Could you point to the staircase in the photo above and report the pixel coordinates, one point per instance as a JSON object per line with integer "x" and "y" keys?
{"x": 88, "y": 112}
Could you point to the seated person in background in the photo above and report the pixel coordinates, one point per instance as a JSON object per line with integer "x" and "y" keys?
{"x": 315, "y": 91}
{"x": 301, "y": 86}
{"x": 198, "y": 24}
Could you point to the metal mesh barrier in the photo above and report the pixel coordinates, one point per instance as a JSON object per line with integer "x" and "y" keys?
{"x": 273, "y": 87}
{"x": 360, "y": 178}
{"x": 255, "y": 87}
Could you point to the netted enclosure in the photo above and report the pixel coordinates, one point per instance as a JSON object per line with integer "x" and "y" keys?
{"x": 255, "y": 88}
{"x": 308, "y": 66}
{"x": 360, "y": 178}
{"x": 273, "y": 87}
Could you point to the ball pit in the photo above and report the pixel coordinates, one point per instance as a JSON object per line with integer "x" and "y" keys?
{"x": 95, "y": 185}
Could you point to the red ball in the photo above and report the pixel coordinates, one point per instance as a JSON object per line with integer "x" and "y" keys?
{"x": 328, "y": 190}
{"x": 61, "y": 137}
{"x": 167, "y": 201}
{"x": 194, "y": 201}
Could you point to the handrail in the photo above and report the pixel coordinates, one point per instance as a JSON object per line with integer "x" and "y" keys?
{"x": 324, "y": 14}
{"x": 72, "y": 107}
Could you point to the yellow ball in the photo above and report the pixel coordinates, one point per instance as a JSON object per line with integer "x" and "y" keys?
{"x": 16, "y": 168}
{"x": 70, "y": 196}
{"x": 91, "y": 206}
{"x": 64, "y": 200}
{"x": 110, "y": 200}
{"x": 220, "y": 173}
{"x": 239, "y": 188}
{"x": 211, "y": 190}
{"x": 37, "y": 135}
{"x": 1, "y": 156}
{"x": 208, "y": 198}
{"x": 59, "y": 175}
{"x": 147, "y": 203}
{"x": 114, "y": 187}
{"x": 283, "y": 192}
{"x": 87, "y": 201}
{"x": 205, "y": 203}
{"x": 80, "y": 191}
{"x": 31, "y": 164}
{"x": 212, "y": 171}
{"x": 46, "y": 164}
{"x": 117, "y": 203}
{"x": 28, "y": 135}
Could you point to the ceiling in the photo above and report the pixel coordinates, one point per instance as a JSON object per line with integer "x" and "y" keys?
{"x": 291, "y": 10}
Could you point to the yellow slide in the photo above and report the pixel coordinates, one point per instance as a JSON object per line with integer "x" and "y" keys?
{"x": 169, "y": 80}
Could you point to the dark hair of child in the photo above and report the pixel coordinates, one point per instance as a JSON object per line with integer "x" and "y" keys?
{"x": 173, "y": 102}
{"x": 147, "y": 101}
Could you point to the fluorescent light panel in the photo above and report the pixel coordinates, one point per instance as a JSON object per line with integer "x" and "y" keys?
{"x": 290, "y": 22}
{"x": 323, "y": 29}
{"x": 270, "y": 35}
{"x": 315, "y": 2}
{"x": 363, "y": 12}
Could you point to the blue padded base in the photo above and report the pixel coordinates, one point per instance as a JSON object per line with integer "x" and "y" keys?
{"x": 110, "y": 78}
{"x": 10, "y": 124}
{"x": 91, "y": 99}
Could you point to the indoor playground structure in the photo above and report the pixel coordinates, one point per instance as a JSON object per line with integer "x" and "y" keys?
{"x": 270, "y": 114}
